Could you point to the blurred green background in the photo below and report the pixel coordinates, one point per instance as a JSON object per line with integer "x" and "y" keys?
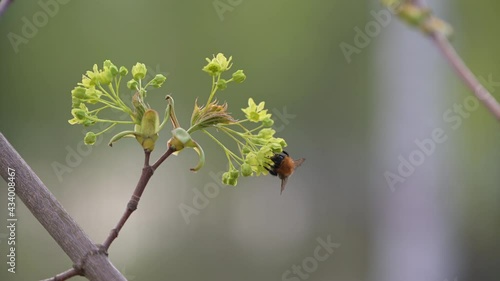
{"x": 290, "y": 53}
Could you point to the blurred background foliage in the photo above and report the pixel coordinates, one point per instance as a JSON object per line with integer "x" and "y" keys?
{"x": 290, "y": 53}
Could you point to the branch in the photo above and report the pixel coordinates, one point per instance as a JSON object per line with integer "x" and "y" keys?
{"x": 4, "y": 4}
{"x": 466, "y": 75}
{"x": 147, "y": 173}
{"x": 162, "y": 158}
{"x": 462, "y": 70}
{"x": 89, "y": 260}
{"x": 64, "y": 275}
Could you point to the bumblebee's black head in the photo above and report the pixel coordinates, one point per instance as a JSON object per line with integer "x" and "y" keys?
{"x": 277, "y": 159}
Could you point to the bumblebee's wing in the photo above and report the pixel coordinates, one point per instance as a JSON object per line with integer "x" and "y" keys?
{"x": 283, "y": 183}
{"x": 298, "y": 162}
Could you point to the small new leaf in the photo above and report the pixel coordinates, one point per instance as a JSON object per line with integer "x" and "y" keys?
{"x": 209, "y": 116}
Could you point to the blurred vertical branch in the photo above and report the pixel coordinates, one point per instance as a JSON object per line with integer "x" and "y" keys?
{"x": 89, "y": 260}
{"x": 412, "y": 226}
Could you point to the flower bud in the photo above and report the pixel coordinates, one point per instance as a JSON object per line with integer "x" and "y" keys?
{"x": 266, "y": 133}
{"x": 150, "y": 124}
{"x": 78, "y": 92}
{"x": 114, "y": 70}
{"x": 139, "y": 71}
{"x": 158, "y": 81}
{"x": 123, "y": 71}
{"x": 282, "y": 142}
{"x": 221, "y": 84}
{"x": 107, "y": 64}
{"x": 246, "y": 170}
{"x": 246, "y": 150}
{"x": 105, "y": 77}
{"x": 78, "y": 113}
{"x": 251, "y": 159}
{"x": 132, "y": 84}
{"x": 268, "y": 122}
{"x": 276, "y": 147}
{"x": 75, "y": 102}
{"x": 225, "y": 178}
{"x": 92, "y": 95}
{"x": 239, "y": 76}
{"x": 90, "y": 138}
{"x": 234, "y": 174}
{"x": 232, "y": 181}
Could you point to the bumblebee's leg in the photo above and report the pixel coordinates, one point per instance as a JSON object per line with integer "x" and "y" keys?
{"x": 272, "y": 172}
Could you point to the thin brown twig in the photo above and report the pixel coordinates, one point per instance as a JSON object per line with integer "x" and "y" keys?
{"x": 162, "y": 158}
{"x": 466, "y": 75}
{"x": 462, "y": 70}
{"x": 147, "y": 173}
{"x": 64, "y": 275}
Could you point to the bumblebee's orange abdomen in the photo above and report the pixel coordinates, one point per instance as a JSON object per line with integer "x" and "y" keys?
{"x": 286, "y": 167}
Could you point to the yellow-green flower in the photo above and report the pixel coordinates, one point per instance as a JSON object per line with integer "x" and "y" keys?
{"x": 254, "y": 112}
{"x": 80, "y": 116}
{"x": 224, "y": 63}
{"x": 218, "y": 64}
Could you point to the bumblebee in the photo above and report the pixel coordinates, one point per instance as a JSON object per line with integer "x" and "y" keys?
{"x": 283, "y": 167}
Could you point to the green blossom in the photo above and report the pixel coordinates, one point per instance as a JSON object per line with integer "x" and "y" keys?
{"x": 266, "y": 133}
{"x": 217, "y": 64}
{"x": 139, "y": 71}
{"x": 253, "y": 136}
{"x": 246, "y": 170}
{"x": 105, "y": 77}
{"x": 90, "y": 138}
{"x": 123, "y": 71}
{"x": 230, "y": 177}
{"x": 254, "y": 112}
{"x": 81, "y": 116}
{"x": 99, "y": 88}
{"x": 239, "y": 76}
{"x": 260, "y": 160}
{"x": 268, "y": 122}
{"x": 221, "y": 84}
{"x": 79, "y": 92}
{"x": 158, "y": 81}
{"x": 132, "y": 84}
